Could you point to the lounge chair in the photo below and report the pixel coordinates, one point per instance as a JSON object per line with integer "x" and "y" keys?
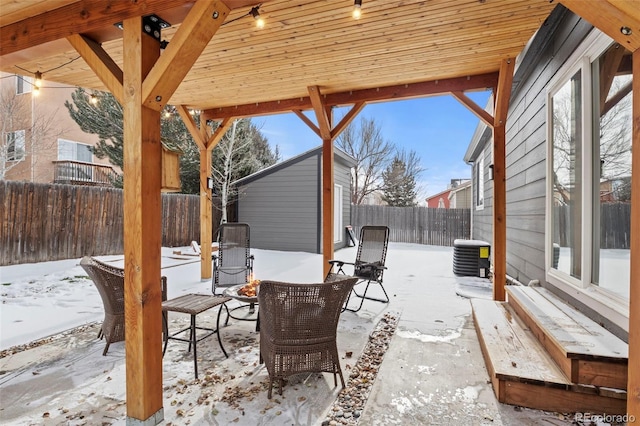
{"x": 369, "y": 265}
{"x": 233, "y": 263}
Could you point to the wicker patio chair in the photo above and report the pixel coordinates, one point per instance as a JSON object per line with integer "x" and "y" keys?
{"x": 233, "y": 263}
{"x": 298, "y": 327}
{"x": 109, "y": 280}
{"x": 369, "y": 265}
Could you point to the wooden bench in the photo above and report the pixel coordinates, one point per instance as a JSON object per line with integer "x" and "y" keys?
{"x": 586, "y": 352}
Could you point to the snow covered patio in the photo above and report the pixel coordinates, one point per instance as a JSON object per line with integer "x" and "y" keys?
{"x": 432, "y": 373}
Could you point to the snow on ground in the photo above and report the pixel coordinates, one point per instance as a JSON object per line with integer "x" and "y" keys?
{"x": 433, "y": 371}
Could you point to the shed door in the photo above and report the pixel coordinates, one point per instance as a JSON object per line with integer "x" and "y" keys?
{"x": 337, "y": 214}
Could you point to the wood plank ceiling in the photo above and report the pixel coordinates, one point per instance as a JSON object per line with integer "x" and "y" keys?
{"x": 314, "y": 42}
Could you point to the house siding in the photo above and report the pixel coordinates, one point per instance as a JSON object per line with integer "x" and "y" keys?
{"x": 526, "y": 152}
{"x": 283, "y": 206}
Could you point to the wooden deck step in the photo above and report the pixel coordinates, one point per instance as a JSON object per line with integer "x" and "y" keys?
{"x": 522, "y": 373}
{"x": 586, "y": 352}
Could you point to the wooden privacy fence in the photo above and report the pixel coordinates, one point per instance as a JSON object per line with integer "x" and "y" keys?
{"x": 42, "y": 222}
{"x": 419, "y": 225}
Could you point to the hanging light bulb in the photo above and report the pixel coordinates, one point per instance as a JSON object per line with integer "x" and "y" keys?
{"x": 167, "y": 113}
{"x": 93, "y": 99}
{"x": 256, "y": 15}
{"x": 357, "y": 9}
{"x": 35, "y": 91}
{"x": 37, "y": 81}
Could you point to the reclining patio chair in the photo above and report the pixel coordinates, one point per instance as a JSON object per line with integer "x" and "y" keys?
{"x": 369, "y": 265}
{"x": 298, "y": 327}
{"x": 233, "y": 263}
{"x": 109, "y": 280}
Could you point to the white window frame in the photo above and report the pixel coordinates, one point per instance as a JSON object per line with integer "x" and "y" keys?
{"x": 27, "y": 84}
{"x": 606, "y": 303}
{"x": 16, "y": 135}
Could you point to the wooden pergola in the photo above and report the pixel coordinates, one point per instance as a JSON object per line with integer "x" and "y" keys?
{"x": 311, "y": 56}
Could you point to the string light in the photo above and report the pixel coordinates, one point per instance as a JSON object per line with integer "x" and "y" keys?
{"x": 256, "y": 15}
{"x": 357, "y": 9}
{"x": 37, "y": 76}
{"x": 93, "y": 99}
{"x": 38, "y": 79}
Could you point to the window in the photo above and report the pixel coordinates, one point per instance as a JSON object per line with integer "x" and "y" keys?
{"x": 15, "y": 145}
{"x": 69, "y": 150}
{"x": 23, "y": 84}
{"x": 566, "y": 104}
{"x": 77, "y": 154}
{"x": 479, "y": 182}
{"x": 590, "y": 170}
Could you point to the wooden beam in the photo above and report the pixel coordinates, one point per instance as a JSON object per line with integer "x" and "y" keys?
{"x": 405, "y": 91}
{"x": 219, "y": 132}
{"x": 321, "y": 112}
{"x": 187, "y": 44}
{"x": 307, "y": 121}
{"x": 633, "y": 384}
{"x": 503, "y": 93}
{"x": 474, "y": 108}
{"x": 191, "y": 126}
{"x": 100, "y": 62}
{"x": 347, "y": 119}
{"x": 608, "y": 70}
{"x": 142, "y": 167}
{"x": 206, "y": 215}
{"x": 610, "y": 16}
{"x": 324, "y": 124}
{"x": 617, "y": 97}
{"x": 200, "y": 137}
{"x": 81, "y": 17}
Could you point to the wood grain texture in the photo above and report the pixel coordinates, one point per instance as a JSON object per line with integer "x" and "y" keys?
{"x": 317, "y": 43}
{"x": 142, "y": 165}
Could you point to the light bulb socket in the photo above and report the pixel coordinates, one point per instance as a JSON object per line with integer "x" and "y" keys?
{"x": 37, "y": 81}
{"x": 357, "y": 9}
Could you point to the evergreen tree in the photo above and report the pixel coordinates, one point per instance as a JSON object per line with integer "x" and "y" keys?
{"x": 400, "y": 188}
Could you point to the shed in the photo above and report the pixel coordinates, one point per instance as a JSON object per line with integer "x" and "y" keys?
{"x": 282, "y": 203}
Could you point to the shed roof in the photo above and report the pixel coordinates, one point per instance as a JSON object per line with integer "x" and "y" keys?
{"x": 340, "y": 156}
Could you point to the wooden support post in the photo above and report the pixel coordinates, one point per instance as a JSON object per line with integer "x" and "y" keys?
{"x": 324, "y": 127}
{"x": 142, "y": 167}
{"x": 206, "y": 213}
{"x": 503, "y": 93}
{"x": 633, "y": 384}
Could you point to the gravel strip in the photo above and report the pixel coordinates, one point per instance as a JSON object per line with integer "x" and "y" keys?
{"x": 346, "y": 410}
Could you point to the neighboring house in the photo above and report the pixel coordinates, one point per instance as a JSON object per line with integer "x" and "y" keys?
{"x": 40, "y": 141}
{"x": 439, "y": 200}
{"x": 460, "y": 196}
{"x": 568, "y": 130}
{"x": 456, "y": 196}
{"x": 282, "y": 203}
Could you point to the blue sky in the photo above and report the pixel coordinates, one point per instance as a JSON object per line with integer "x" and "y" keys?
{"x": 438, "y": 129}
